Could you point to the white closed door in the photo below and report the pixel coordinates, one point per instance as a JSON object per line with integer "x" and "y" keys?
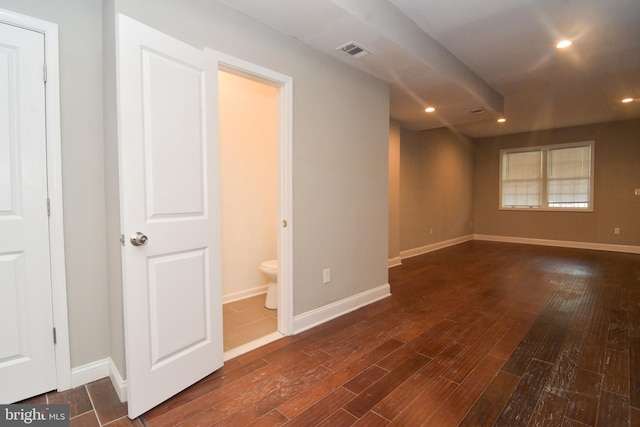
{"x": 27, "y": 354}
{"x": 169, "y": 192}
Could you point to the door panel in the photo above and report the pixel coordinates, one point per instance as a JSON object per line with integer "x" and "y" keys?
{"x": 169, "y": 189}
{"x": 27, "y": 358}
{"x": 13, "y": 307}
{"x": 180, "y": 317}
{"x": 174, "y": 137}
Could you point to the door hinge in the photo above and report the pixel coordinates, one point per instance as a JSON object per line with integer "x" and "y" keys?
{"x": 55, "y": 338}
{"x": 48, "y": 206}
{"x": 44, "y": 73}
{"x": 122, "y": 239}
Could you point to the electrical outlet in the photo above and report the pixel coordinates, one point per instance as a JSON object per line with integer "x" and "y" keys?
{"x": 616, "y": 230}
{"x": 326, "y": 275}
{"x": 431, "y": 231}
{"x": 637, "y": 192}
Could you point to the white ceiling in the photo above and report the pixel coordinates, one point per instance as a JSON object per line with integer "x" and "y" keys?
{"x": 457, "y": 55}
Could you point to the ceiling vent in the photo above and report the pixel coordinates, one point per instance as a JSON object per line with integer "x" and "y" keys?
{"x": 477, "y": 110}
{"x": 354, "y": 50}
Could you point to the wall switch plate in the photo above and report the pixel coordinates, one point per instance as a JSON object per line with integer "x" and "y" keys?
{"x": 616, "y": 230}
{"x": 326, "y": 275}
{"x": 637, "y": 192}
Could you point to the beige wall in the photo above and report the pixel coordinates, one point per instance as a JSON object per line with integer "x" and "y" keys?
{"x": 394, "y": 192}
{"x": 249, "y": 181}
{"x": 436, "y": 187}
{"x": 617, "y": 174}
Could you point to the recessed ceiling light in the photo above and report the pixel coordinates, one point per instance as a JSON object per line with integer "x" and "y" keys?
{"x": 429, "y": 109}
{"x": 563, "y": 44}
{"x": 502, "y": 120}
{"x": 627, "y": 100}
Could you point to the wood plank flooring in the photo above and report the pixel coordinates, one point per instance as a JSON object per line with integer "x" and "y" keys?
{"x": 478, "y": 334}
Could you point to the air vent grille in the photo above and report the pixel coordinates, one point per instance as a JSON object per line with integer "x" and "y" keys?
{"x": 353, "y": 49}
{"x": 477, "y": 110}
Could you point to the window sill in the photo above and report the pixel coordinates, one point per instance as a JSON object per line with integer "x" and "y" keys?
{"x": 582, "y": 210}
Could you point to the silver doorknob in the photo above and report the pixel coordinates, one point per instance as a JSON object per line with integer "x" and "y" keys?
{"x": 138, "y": 239}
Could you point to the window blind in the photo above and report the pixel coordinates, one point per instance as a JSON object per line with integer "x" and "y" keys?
{"x": 522, "y": 179}
{"x": 569, "y": 177}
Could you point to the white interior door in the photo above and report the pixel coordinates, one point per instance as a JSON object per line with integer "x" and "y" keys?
{"x": 169, "y": 191}
{"x": 27, "y": 354}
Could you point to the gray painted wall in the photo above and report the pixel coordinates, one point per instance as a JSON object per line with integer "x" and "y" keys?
{"x": 80, "y": 44}
{"x": 341, "y": 125}
{"x": 339, "y": 143}
{"x": 114, "y": 262}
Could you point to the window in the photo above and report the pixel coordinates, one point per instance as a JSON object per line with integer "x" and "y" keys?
{"x": 556, "y": 177}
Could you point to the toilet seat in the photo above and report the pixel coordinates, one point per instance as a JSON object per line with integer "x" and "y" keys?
{"x": 271, "y": 264}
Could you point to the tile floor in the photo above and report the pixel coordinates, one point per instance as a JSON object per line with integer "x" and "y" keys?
{"x": 247, "y": 320}
{"x": 92, "y": 405}
{"x": 96, "y": 404}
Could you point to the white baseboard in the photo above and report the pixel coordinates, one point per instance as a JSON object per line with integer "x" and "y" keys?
{"x": 560, "y": 243}
{"x": 98, "y": 370}
{"x": 119, "y": 383}
{"x": 247, "y": 293}
{"x": 90, "y": 372}
{"x": 320, "y": 315}
{"x": 435, "y": 246}
{"x": 394, "y": 262}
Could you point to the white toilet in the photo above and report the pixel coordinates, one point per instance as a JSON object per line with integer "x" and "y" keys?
{"x": 270, "y": 270}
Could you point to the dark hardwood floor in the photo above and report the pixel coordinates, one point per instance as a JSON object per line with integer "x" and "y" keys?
{"x": 478, "y": 334}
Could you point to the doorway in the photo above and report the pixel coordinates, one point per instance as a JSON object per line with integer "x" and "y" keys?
{"x": 255, "y": 147}
{"x": 168, "y": 152}
{"x": 248, "y": 120}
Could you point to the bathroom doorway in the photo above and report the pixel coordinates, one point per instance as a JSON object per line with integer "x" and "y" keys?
{"x": 254, "y": 143}
{"x": 249, "y": 203}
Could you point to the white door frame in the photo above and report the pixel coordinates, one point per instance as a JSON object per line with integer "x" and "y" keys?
{"x": 54, "y": 182}
{"x": 285, "y": 177}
